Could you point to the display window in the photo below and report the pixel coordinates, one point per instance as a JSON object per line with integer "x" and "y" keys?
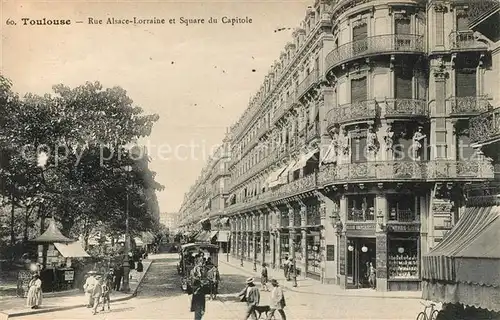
{"x": 313, "y": 254}
{"x": 404, "y": 258}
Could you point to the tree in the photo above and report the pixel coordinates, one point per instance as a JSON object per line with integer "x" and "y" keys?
{"x": 84, "y": 133}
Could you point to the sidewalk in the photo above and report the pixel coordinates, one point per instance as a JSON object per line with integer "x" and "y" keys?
{"x": 315, "y": 287}
{"x": 73, "y": 299}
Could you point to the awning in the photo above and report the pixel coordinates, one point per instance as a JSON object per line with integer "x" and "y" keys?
{"x": 303, "y": 159}
{"x": 224, "y": 220}
{"x": 465, "y": 266}
{"x": 213, "y": 234}
{"x": 223, "y": 236}
{"x": 273, "y": 178}
{"x": 71, "y": 250}
{"x": 203, "y": 236}
{"x": 284, "y": 175}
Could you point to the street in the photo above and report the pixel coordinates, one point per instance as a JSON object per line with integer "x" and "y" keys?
{"x": 160, "y": 297}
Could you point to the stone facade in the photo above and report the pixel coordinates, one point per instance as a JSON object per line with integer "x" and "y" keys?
{"x": 357, "y": 147}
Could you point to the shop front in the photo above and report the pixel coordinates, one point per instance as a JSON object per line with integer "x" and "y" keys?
{"x": 403, "y": 259}
{"x": 313, "y": 254}
{"x": 267, "y": 248}
{"x": 284, "y": 246}
{"x": 360, "y": 253}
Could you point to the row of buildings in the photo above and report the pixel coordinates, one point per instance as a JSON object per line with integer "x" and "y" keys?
{"x": 361, "y": 143}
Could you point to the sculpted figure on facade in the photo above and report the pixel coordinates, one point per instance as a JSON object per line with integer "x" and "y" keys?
{"x": 372, "y": 144}
{"x": 389, "y": 138}
{"x": 417, "y": 139}
{"x": 343, "y": 142}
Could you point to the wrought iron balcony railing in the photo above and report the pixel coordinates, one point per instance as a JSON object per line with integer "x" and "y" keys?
{"x": 381, "y": 44}
{"x": 307, "y": 83}
{"x": 405, "y": 108}
{"x": 485, "y": 127}
{"x": 452, "y": 169}
{"x": 352, "y": 112}
{"x": 402, "y": 215}
{"x": 359, "y": 215}
{"x": 469, "y": 105}
{"x": 465, "y": 40}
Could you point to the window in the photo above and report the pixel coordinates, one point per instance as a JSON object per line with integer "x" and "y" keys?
{"x": 404, "y": 83}
{"x": 465, "y": 82}
{"x": 403, "y": 27}
{"x": 359, "y": 38}
{"x": 361, "y": 208}
{"x": 462, "y": 21}
{"x": 359, "y": 90}
{"x": 401, "y": 207}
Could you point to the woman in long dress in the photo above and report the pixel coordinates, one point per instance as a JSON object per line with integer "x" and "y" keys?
{"x": 34, "y": 299}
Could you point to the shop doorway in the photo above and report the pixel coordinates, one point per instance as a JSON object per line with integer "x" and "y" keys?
{"x": 360, "y": 252}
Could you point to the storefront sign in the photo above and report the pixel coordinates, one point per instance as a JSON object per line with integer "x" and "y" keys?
{"x": 23, "y": 281}
{"x": 342, "y": 257}
{"x": 69, "y": 275}
{"x": 361, "y": 226}
{"x": 330, "y": 252}
{"x": 404, "y": 227}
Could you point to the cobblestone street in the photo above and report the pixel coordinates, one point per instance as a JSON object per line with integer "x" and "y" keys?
{"x": 160, "y": 297}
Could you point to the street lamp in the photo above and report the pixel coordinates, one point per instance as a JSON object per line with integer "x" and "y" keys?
{"x": 126, "y": 265}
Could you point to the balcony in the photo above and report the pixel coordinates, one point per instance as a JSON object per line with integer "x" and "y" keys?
{"x": 352, "y": 112}
{"x": 485, "y": 127}
{"x": 307, "y": 83}
{"x": 465, "y": 40}
{"x": 460, "y": 170}
{"x": 376, "y": 45}
{"x": 469, "y": 106}
{"x": 298, "y": 186}
{"x": 341, "y": 6}
{"x": 402, "y": 215}
{"x": 405, "y": 108}
{"x": 360, "y": 215}
{"x": 372, "y": 171}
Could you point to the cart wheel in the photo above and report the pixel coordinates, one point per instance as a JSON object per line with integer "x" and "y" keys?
{"x": 434, "y": 315}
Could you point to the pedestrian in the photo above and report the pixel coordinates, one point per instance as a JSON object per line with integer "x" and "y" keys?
{"x": 96, "y": 293}
{"x": 198, "y": 300}
{"x": 34, "y": 299}
{"x": 140, "y": 267}
{"x": 214, "y": 277}
{"x": 102, "y": 296}
{"x": 88, "y": 287}
{"x": 118, "y": 277}
{"x": 277, "y": 301}
{"x": 286, "y": 267}
{"x": 373, "y": 273}
{"x": 264, "y": 277}
{"x": 251, "y": 296}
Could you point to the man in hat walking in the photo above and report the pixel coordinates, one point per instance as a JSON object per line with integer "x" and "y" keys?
{"x": 251, "y": 296}
{"x": 277, "y": 301}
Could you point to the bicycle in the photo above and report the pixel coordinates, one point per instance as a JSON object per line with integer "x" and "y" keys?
{"x": 432, "y": 314}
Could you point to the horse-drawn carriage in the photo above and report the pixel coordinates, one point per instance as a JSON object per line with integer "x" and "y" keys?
{"x": 199, "y": 261}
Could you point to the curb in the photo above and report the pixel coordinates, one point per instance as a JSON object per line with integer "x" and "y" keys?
{"x": 343, "y": 294}
{"x": 131, "y": 295}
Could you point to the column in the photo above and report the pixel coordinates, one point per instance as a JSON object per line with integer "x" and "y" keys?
{"x": 262, "y": 230}
{"x": 381, "y": 208}
{"x": 277, "y": 239}
{"x": 303, "y": 224}
{"x": 342, "y": 252}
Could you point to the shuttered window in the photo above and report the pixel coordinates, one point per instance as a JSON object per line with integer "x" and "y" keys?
{"x": 404, "y": 83}
{"x": 358, "y": 150}
{"x": 359, "y": 90}
{"x": 465, "y": 82}
{"x": 439, "y": 28}
{"x": 403, "y": 26}
{"x": 462, "y": 21}
{"x": 359, "y": 35}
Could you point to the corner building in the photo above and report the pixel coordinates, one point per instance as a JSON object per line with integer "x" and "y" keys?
{"x": 357, "y": 149}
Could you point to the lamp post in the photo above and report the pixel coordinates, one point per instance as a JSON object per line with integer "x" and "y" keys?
{"x": 126, "y": 265}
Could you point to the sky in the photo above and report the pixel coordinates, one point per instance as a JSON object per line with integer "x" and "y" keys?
{"x": 197, "y": 78}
